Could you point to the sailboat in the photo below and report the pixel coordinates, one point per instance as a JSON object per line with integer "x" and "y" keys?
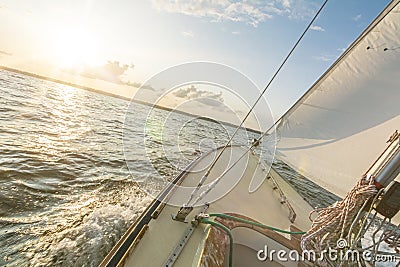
{"x": 342, "y": 134}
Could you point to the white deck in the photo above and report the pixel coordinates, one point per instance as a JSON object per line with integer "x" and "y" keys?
{"x": 263, "y": 205}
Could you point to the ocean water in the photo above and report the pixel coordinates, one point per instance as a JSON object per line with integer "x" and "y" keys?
{"x": 66, "y": 194}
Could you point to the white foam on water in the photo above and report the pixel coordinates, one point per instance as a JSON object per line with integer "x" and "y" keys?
{"x": 84, "y": 235}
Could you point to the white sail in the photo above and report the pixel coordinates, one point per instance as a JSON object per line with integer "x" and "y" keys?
{"x": 334, "y": 133}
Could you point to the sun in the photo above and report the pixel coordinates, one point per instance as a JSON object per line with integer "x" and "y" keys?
{"x": 74, "y": 47}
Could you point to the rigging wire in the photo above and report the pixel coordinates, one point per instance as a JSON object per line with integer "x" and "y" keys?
{"x": 202, "y": 180}
{"x": 253, "y": 223}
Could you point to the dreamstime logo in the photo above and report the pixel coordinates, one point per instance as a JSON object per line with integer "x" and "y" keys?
{"x": 160, "y": 125}
{"x": 341, "y": 253}
{"x": 341, "y": 243}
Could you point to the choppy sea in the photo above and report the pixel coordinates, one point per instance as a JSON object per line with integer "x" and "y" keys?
{"x": 66, "y": 194}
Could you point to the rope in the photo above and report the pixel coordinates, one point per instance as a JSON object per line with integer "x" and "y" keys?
{"x": 253, "y": 106}
{"x": 334, "y": 222}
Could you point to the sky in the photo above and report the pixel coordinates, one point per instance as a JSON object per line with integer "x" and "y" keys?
{"x": 117, "y": 46}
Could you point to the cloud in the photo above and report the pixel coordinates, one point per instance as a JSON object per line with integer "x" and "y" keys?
{"x": 303, "y": 10}
{"x": 209, "y": 101}
{"x": 140, "y": 85}
{"x": 205, "y": 97}
{"x": 5, "y": 53}
{"x": 217, "y": 10}
{"x": 325, "y": 58}
{"x": 341, "y": 50}
{"x": 148, "y": 87}
{"x": 251, "y": 12}
{"x": 236, "y": 32}
{"x": 286, "y": 3}
{"x": 357, "y": 18}
{"x": 112, "y": 71}
{"x": 189, "y": 34}
{"x": 317, "y": 28}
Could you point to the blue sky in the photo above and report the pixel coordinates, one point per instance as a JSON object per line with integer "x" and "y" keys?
{"x": 66, "y": 39}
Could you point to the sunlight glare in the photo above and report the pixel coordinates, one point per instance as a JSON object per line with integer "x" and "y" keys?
{"x": 74, "y": 47}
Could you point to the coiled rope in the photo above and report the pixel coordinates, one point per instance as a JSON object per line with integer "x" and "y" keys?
{"x": 334, "y": 222}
